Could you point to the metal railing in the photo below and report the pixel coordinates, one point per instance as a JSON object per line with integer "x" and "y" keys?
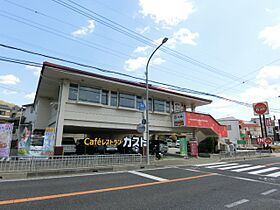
{"x": 36, "y": 164}
{"x": 243, "y": 154}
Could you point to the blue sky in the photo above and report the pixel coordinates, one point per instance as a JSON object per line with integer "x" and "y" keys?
{"x": 238, "y": 40}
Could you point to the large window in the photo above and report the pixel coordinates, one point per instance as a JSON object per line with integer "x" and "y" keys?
{"x": 114, "y": 98}
{"x": 167, "y": 106}
{"x": 104, "y": 99}
{"x": 159, "y": 106}
{"x": 73, "y": 92}
{"x": 127, "y": 100}
{"x": 89, "y": 94}
{"x": 139, "y": 102}
{"x": 150, "y": 104}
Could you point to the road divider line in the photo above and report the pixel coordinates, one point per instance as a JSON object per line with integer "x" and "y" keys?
{"x": 63, "y": 195}
{"x": 224, "y": 165}
{"x": 232, "y": 167}
{"x": 236, "y": 203}
{"x": 209, "y": 164}
{"x": 263, "y": 170}
{"x": 248, "y": 169}
{"x": 269, "y": 191}
{"x": 147, "y": 176}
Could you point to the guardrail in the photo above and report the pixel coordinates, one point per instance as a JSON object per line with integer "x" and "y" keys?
{"x": 35, "y": 164}
{"x": 243, "y": 154}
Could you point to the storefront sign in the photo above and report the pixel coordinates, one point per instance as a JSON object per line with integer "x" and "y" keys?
{"x": 183, "y": 146}
{"x": 179, "y": 119}
{"x": 266, "y": 140}
{"x": 6, "y": 133}
{"x": 241, "y": 142}
{"x": 194, "y": 148}
{"x": 102, "y": 142}
{"x": 205, "y": 121}
{"x": 24, "y": 140}
{"x": 260, "y": 108}
{"x": 49, "y": 141}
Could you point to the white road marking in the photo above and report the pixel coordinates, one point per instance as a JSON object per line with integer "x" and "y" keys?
{"x": 147, "y": 176}
{"x": 232, "y": 167}
{"x": 209, "y": 164}
{"x": 269, "y": 191}
{"x": 236, "y": 203}
{"x": 276, "y": 174}
{"x": 248, "y": 169}
{"x": 263, "y": 170}
{"x": 217, "y": 166}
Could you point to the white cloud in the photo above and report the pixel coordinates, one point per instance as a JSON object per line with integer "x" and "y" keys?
{"x": 141, "y": 49}
{"x": 168, "y": 12}
{"x": 36, "y": 70}
{"x": 85, "y": 30}
{"x": 135, "y": 64}
{"x": 271, "y": 36}
{"x": 185, "y": 36}
{"x": 143, "y": 30}
{"x": 9, "y": 92}
{"x": 9, "y": 79}
{"x": 30, "y": 96}
{"x": 158, "y": 61}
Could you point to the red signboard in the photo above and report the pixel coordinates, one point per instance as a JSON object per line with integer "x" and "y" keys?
{"x": 260, "y": 108}
{"x": 193, "y": 148}
{"x": 205, "y": 121}
{"x": 266, "y": 140}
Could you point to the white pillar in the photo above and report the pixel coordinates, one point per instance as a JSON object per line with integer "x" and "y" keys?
{"x": 63, "y": 96}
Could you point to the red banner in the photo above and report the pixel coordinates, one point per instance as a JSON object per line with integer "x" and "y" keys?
{"x": 194, "y": 148}
{"x": 266, "y": 140}
{"x": 198, "y": 120}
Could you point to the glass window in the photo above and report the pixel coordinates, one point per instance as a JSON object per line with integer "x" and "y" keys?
{"x": 139, "y": 101}
{"x": 167, "y": 106}
{"x": 104, "y": 99}
{"x": 159, "y": 106}
{"x": 73, "y": 92}
{"x": 114, "y": 99}
{"x": 89, "y": 94}
{"x": 127, "y": 100}
{"x": 150, "y": 104}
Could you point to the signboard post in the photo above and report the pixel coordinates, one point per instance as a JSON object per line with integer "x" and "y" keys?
{"x": 6, "y": 133}
{"x": 183, "y": 146}
{"x": 194, "y": 148}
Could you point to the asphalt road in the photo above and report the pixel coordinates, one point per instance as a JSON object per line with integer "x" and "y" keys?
{"x": 212, "y": 186}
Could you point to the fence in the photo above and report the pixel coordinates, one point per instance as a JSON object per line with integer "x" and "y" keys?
{"x": 35, "y": 164}
{"x": 243, "y": 154}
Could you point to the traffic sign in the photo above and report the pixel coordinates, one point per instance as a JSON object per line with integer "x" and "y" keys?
{"x": 260, "y": 108}
{"x": 268, "y": 140}
{"x": 140, "y": 128}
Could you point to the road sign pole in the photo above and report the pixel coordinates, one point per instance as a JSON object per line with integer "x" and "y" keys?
{"x": 261, "y": 125}
{"x": 264, "y": 125}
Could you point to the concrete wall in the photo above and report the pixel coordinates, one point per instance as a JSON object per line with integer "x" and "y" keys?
{"x": 42, "y": 111}
{"x": 111, "y": 117}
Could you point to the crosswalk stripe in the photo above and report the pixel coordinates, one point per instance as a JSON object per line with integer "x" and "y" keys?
{"x": 276, "y": 174}
{"x": 209, "y": 164}
{"x": 224, "y": 165}
{"x": 263, "y": 170}
{"x": 147, "y": 176}
{"x": 232, "y": 167}
{"x": 248, "y": 169}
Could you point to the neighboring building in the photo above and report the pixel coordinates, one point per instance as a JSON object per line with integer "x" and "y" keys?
{"x": 250, "y": 131}
{"x": 232, "y": 128}
{"x": 79, "y": 103}
{"x": 5, "y": 112}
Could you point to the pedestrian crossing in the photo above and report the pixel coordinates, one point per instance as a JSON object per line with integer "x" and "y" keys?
{"x": 261, "y": 170}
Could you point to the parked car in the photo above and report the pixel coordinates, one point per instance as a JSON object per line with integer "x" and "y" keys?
{"x": 162, "y": 145}
{"x": 170, "y": 143}
{"x": 69, "y": 145}
{"x": 178, "y": 143}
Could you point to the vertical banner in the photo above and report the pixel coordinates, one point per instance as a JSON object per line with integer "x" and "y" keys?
{"x": 49, "y": 140}
{"x": 24, "y": 140}
{"x": 194, "y": 148}
{"x": 183, "y": 146}
{"x": 6, "y": 133}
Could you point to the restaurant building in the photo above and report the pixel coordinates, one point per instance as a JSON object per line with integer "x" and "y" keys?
{"x": 87, "y": 105}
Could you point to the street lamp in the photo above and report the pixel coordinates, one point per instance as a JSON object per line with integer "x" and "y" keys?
{"x": 147, "y": 100}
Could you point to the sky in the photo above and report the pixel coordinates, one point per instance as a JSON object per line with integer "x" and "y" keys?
{"x": 227, "y": 48}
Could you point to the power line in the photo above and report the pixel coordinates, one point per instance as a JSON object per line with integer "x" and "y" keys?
{"x": 132, "y": 34}
{"x": 177, "y": 88}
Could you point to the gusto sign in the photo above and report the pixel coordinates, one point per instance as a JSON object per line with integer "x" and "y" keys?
{"x": 260, "y": 108}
